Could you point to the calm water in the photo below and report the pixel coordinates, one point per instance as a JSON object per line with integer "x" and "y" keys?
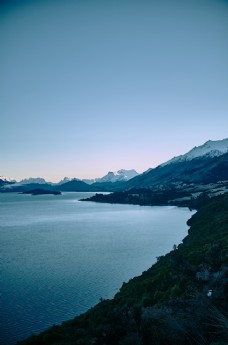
{"x": 60, "y": 255}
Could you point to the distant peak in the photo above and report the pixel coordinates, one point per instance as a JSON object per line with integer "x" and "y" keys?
{"x": 6, "y": 179}
{"x": 67, "y": 179}
{"x": 39, "y": 180}
{"x": 115, "y": 176}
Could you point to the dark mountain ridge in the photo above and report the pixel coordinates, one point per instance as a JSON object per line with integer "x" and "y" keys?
{"x": 205, "y": 164}
{"x": 199, "y": 170}
{"x": 4, "y": 183}
{"x": 75, "y": 186}
{"x": 71, "y": 186}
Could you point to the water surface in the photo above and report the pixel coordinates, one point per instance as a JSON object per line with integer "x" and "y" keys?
{"x": 59, "y": 256}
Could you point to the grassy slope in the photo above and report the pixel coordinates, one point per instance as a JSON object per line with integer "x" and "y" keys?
{"x": 168, "y": 304}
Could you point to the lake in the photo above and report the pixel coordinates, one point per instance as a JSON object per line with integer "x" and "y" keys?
{"x": 59, "y": 255}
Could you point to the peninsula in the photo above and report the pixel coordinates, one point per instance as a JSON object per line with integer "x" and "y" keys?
{"x": 41, "y": 192}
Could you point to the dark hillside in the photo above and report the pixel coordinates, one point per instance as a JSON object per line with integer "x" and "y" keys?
{"x": 4, "y": 183}
{"x": 144, "y": 197}
{"x": 198, "y": 170}
{"x": 74, "y": 186}
{"x": 182, "y": 299}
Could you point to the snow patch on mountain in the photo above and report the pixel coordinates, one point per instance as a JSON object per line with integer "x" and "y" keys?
{"x": 89, "y": 181}
{"x": 6, "y": 179}
{"x": 120, "y": 175}
{"x": 67, "y": 179}
{"x": 114, "y": 176}
{"x": 39, "y": 180}
{"x": 208, "y": 150}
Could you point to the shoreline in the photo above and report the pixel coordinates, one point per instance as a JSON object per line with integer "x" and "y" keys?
{"x": 177, "y": 281}
{"x": 141, "y": 264}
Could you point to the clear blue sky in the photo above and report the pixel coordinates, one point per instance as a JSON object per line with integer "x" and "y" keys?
{"x": 92, "y": 86}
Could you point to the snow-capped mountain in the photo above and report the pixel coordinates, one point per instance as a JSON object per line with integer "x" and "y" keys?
{"x": 120, "y": 175}
{"x": 27, "y": 181}
{"x": 110, "y": 177}
{"x": 6, "y": 179}
{"x": 39, "y": 180}
{"x": 208, "y": 150}
{"x": 66, "y": 179}
{"x": 205, "y": 164}
{"x": 126, "y": 174}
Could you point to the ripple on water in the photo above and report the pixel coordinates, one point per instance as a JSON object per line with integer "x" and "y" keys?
{"x": 60, "y": 256}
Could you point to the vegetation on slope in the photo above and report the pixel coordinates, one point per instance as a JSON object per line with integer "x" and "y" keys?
{"x": 145, "y": 197}
{"x": 182, "y": 299}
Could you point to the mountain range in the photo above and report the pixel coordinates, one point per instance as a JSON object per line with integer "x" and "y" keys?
{"x": 116, "y": 176}
{"x": 207, "y": 163}
{"x": 182, "y": 298}
{"x": 204, "y": 164}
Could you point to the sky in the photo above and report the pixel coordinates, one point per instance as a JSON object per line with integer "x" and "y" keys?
{"x": 91, "y": 86}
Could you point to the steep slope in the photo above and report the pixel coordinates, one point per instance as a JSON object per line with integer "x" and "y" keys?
{"x": 179, "y": 300}
{"x": 209, "y": 149}
{"x": 198, "y": 170}
{"x": 207, "y": 163}
{"x": 4, "y": 181}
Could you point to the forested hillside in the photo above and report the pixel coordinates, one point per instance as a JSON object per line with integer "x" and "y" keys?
{"x": 182, "y": 299}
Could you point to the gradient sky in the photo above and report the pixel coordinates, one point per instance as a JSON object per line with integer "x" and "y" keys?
{"x": 88, "y": 87}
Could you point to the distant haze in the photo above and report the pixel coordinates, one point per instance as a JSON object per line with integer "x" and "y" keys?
{"x": 88, "y": 87}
